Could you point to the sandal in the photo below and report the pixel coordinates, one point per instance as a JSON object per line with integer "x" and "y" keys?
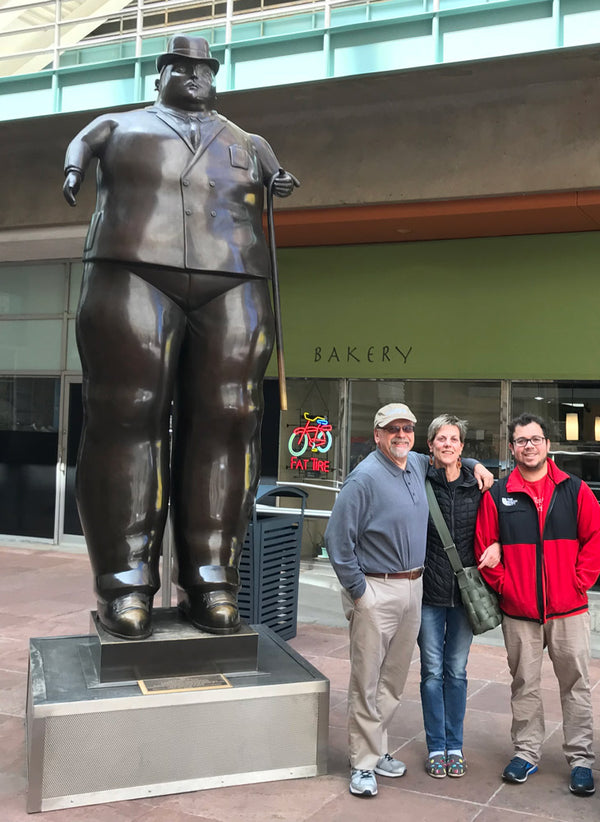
{"x": 455, "y": 765}
{"x": 436, "y": 766}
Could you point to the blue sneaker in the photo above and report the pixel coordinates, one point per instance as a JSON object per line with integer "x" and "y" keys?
{"x": 518, "y": 770}
{"x": 363, "y": 783}
{"x": 582, "y": 782}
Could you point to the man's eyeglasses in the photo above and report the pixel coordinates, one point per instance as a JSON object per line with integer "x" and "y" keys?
{"x": 395, "y": 429}
{"x": 521, "y": 442}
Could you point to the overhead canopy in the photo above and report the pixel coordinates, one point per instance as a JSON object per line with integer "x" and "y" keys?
{"x": 28, "y": 31}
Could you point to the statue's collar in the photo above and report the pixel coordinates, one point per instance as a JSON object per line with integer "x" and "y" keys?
{"x": 182, "y": 114}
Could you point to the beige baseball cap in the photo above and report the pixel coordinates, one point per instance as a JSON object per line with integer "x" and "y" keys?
{"x": 393, "y": 411}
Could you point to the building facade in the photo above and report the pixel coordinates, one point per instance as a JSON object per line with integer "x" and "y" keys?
{"x": 441, "y": 250}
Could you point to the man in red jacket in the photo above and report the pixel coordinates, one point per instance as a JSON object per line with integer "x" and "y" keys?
{"x": 548, "y": 523}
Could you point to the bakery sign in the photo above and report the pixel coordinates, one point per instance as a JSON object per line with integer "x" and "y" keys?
{"x": 362, "y": 354}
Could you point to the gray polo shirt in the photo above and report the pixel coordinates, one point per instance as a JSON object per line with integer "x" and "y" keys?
{"x": 379, "y": 520}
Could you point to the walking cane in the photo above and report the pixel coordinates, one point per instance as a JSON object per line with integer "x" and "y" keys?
{"x": 275, "y": 280}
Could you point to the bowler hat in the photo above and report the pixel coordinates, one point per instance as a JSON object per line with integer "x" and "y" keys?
{"x": 194, "y": 48}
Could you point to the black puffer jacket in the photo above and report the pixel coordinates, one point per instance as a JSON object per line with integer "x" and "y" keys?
{"x": 459, "y": 505}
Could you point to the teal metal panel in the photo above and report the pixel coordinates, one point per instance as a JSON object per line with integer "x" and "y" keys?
{"x": 246, "y": 31}
{"x": 299, "y": 25}
{"x": 578, "y": 22}
{"x": 20, "y": 99}
{"x": 348, "y": 16}
{"x": 505, "y": 31}
{"x": 360, "y": 52}
{"x": 396, "y": 9}
{"x": 110, "y": 87}
{"x": 488, "y": 7}
{"x": 278, "y": 63}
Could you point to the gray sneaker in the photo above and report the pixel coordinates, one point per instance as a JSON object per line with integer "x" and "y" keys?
{"x": 363, "y": 783}
{"x": 388, "y": 766}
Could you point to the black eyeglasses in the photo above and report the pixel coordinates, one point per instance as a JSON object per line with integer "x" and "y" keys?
{"x": 521, "y": 442}
{"x": 395, "y": 429}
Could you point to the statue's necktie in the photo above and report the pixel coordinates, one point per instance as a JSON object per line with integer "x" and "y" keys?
{"x": 194, "y": 132}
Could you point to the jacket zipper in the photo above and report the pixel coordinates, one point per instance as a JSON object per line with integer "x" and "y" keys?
{"x": 540, "y": 558}
{"x": 454, "y": 581}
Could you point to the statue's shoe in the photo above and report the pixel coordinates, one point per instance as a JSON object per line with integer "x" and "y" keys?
{"x": 213, "y": 611}
{"x": 128, "y": 616}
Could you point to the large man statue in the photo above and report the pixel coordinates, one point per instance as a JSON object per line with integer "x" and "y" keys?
{"x": 174, "y": 306}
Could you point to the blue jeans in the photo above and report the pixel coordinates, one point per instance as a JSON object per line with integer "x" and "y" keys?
{"x": 444, "y": 640}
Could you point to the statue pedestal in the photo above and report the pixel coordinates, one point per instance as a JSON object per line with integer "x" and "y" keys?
{"x": 175, "y": 648}
{"x": 91, "y": 741}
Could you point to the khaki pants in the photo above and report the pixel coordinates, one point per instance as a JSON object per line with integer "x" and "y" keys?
{"x": 383, "y": 631}
{"x": 568, "y": 643}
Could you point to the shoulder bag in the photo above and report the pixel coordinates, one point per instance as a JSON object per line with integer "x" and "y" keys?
{"x": 479, "y": 601}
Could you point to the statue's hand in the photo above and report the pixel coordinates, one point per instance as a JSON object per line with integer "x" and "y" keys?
{"x": 284, "y": 183}
{"x": 71, "y": 187}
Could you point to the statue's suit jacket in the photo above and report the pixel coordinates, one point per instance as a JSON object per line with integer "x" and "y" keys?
{"x": 160, "y": 202}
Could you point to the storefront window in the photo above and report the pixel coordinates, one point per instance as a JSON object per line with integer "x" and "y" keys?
{"x": 328, "y": 430}
{"x": 29, "y": 414}
{"x": 572, "y": 414}
{"x": 477, "y": 402}
{"x": 311, "y": 451}
{"x": 30, "y": 345}
{"x": 32, "y": 289}
{"x": 310, "y": 437}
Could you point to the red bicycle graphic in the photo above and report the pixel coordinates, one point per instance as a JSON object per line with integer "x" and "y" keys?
{"x": 316, "y": 433}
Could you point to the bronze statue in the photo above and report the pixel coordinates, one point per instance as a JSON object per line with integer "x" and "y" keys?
{"x": 174, "y": 312}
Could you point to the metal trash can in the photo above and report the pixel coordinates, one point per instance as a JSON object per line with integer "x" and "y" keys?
{"x": 270, "y": 562}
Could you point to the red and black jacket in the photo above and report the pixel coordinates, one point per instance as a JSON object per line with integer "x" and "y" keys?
{"x": 541, "y": 577}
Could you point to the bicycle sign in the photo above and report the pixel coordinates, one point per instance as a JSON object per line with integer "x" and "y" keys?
{"x": 314, "y": 434}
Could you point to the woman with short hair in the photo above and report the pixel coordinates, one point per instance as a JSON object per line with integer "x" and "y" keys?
{"x": 445, "y": 635}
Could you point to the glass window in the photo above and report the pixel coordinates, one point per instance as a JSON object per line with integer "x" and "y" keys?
{"x": 320, "y": 441}
{"x": 30, "y": 345}
{"x": 32, "y": 289}
{"x": 478, "y": 402}
{"x": 29, "y": 404}
{"x": 310, "y": 446}
{"x": 311, "y": 450}
{"x": 29, "y": 414}
{"x": 572, "y": 413}
{"x": 72, "y": 523}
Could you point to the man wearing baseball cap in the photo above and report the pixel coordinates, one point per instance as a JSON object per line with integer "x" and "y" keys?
{"x": 376, "y": 540}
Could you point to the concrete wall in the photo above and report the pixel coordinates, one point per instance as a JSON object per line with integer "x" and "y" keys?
{"x": 520, "y": 124}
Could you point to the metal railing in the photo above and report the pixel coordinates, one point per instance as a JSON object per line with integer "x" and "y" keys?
{"x": 41, "y": 34}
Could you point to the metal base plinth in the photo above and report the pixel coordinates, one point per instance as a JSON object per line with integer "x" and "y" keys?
{"x": 90, "y": 742}
{"x": 175, "y": 648}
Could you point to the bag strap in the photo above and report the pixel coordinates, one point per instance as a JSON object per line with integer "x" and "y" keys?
{"x": 442, "y": 528}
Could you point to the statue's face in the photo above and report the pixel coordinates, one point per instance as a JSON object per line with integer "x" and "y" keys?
{"x": 188, "y": 85}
